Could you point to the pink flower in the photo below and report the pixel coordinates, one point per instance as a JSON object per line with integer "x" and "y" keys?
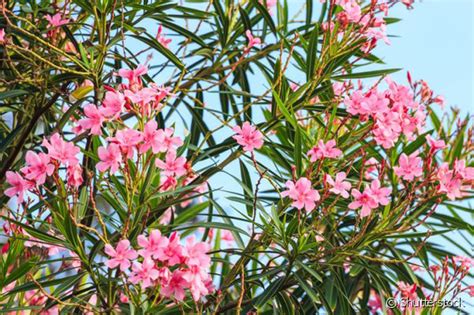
{"x": 164, "y": 274}
{"x": 439, "y": 99}
{"x": 74, "y": 175}
{"x": 375, "y": 303}
{"x": 227, "y": 236}
{"x": 145, "y": 272}
{"x": 120, "y": 256}
{"x": 2, "y": 35}
{"x": 167, "y": 216}
{"x": 127, "y": 139}
{"x": 93, "y": 121}
{"x": 379, "y": 194}
{"x": 352, "y": 12}
{"x": 9, "y": 287}
{"x": 55, "y": 20}
{"x": 141, "y": 97}
{"x": 408, "y": 291}
{"x": 195, "y": 253}
{"x": 324, "y": 150}
{"x": 74, "y": 260}
{"x": 354, "y": 102}
{"x": 364, "y": 200}
{"x": 63, "y": 151}
{"x": 375, "y": 103}
{"x": 161, "y": 38}
{"x": 409, "y": 166}
{"x": 371, "y": 165}
{"x": 133, "y": 75}
{"x": 159, "y": 140}
{"x": 378, "y": 32}
{"x": 35, "y": 298}
{"x": 175, "y": 286}
{"x": 385, "y": 135}
{"x": 463, "y": 262}
{"x": 38, "y": 167}
{"x": 339, "y": 187}
{"x": 384, "y": 8}
{"x": 123, "y": 298}
{"x": 248, "y": 137}
{"x": 196, "y": 279}
{"x": 408, "y": 3}
{"x": 416, "y": 268}
{"x": 270, "y": 4}
{"x": 252, "y": 41}
{"x": 110, "y": 158}
{"x": 172, "y": 166}
{"x": 168, "y": 183}
{"x": 435, "y": 145}
{"x": 112, "y": 105}
{"x": 19, "y": 186}
{"x": 466, "y": 173}
{"x": 302, "y": 194}
{"x": 471, "y": 290}
{"x": 450, "y": 185}
{"x": 153, "y": 246}
{"x": 173, "y": 253}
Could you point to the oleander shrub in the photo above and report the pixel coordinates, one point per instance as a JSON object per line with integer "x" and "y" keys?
{"x": 162, "y": 157}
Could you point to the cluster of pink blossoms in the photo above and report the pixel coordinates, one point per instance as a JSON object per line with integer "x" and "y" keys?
{"x": 165, "y": 263}
{"x": 324, "y": 150}
{"x": 129, "y": 143}
{"x": 371, "y": 27}
{"x": 133, "y": 97}
{"x": 40, "y": 165}
{"x": 394, "y": 112}
{"x": 304, "y": 196}
{"x": 453, "y": 182}
{"x": 372, "y": 196}
{"x": 447, "y": 278}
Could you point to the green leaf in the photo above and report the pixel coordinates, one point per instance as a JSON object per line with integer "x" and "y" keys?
{"x": 309, "y": 270}
{"x": 269, "y": 292}
{"x": 12, "y": 93}
{"x": 309, "y": 291}
{"x": 366, "y": 74}
{"x": 190, "y": 213}
{"x": 312, "y": 53}
{"x": 152, "y": 42}
{"x": 248, "y": 186}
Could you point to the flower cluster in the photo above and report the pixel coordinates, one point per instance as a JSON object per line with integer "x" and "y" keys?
{"x": 324, "y": 150}
{"x": 369, "y": 26}
{"x": 453, "y": 182}
{"x": 165, "y": 263}
{"x": 394, "y": 112}
{"x": 41, "y": 165}
{"x": 372, "y": 196}
{"x": 129, "y": 97}
{"x": 448, "y": 284}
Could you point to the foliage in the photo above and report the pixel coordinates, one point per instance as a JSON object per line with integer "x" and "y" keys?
{"x": 277, "y": 243}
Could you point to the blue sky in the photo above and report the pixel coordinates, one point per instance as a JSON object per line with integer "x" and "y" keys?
{"x": 435, "y": 44}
